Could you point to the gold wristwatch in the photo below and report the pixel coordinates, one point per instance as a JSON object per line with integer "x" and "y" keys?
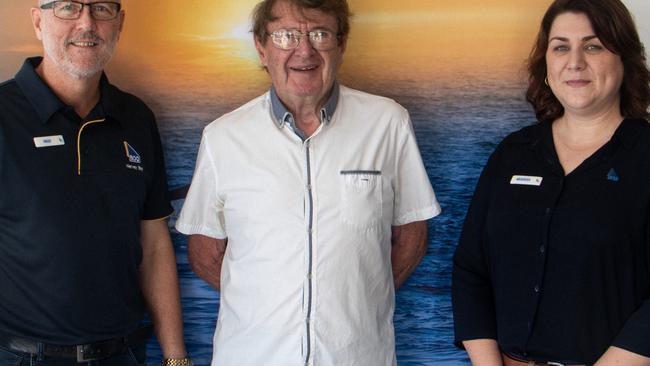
{"x": 177, "y": 362}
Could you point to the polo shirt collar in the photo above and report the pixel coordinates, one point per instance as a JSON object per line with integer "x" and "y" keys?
{"x": 109, "y": 101}
{"x": 46, "y": 103}
{"x": 281, "y": 114}
{"x": 39, "y": 95}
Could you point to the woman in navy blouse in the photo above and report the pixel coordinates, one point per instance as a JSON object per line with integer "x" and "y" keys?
{"x": 553, "y": 264}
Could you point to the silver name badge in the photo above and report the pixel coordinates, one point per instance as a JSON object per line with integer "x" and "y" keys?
{"x": 526, "y": 180}
{"x": 48, "y": 141}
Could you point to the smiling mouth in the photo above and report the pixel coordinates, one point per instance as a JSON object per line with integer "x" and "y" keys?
{"x": 83, "y": 43}
{"x": 304, "y": 68}
{"x": 577, "y": 83}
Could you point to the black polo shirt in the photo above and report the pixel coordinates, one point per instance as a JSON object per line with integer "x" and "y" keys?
{"x": 73, "y": 192}
{"x": 557, "y": 267}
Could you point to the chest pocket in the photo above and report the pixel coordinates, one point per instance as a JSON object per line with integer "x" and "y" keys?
{"x": 361, "y": 199}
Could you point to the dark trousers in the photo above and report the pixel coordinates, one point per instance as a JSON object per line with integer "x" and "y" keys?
{"x": 130, "y": 357}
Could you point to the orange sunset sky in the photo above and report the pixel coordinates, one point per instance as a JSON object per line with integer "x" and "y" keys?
{"x": 201, "y": 44}
{"x": 420, "y": 31}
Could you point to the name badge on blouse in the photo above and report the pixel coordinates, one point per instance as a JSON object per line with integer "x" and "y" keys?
{"x": 47, "y": 141}
{"x": 526, "y": 180}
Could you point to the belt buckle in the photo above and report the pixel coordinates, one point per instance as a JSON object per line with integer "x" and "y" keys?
{"x": 87, "y": 353}
{"x": 555, "y": 364}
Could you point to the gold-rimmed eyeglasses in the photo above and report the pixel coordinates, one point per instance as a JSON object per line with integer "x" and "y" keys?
{"x": 289, "y": 39}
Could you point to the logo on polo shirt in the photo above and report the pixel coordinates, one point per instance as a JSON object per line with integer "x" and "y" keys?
{"x": 612, "y": 175}
{"x": 133, "y": 156}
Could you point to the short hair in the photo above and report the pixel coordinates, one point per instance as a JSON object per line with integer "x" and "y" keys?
{"x": 615, "y": 28}
{"x": 263, "y": 14}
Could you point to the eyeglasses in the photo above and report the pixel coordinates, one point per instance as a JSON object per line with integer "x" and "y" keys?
{"x": 71, "y": 10}
{"x": 289, "y": 39}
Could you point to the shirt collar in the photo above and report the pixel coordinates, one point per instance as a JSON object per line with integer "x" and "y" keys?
{"x": 281, "y": 114}
{"x": 109, "y": 101}
{"x": 629, "y": 131}
{"x": 40, "y": 96}
{"x": 46, "y": 103}
{"x": 627, "y": 134}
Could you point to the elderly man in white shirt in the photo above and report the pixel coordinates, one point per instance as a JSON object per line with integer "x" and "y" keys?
{"x": 308, "y": 204}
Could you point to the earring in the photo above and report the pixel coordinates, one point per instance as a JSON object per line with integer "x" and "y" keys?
{"x": 546, "y": 81}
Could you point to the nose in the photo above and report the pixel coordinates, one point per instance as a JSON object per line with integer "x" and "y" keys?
{"x": 577, "y": 59}
{"x": 304, "y": 47}
{"x": 86, "y": 20}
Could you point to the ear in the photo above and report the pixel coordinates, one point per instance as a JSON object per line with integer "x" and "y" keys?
{"x": 261, "y": 52}
{"x": 343, "y": 45}
{"x": 36, "y": 22}
{"x": 121, "y": 18}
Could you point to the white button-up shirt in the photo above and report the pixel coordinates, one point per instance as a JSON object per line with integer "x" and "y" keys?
{"x": 306, "y": 277}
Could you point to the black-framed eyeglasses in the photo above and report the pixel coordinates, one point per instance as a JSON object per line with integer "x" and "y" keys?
{"x": 289, "y": 39}
{"x": 71, "y": 10}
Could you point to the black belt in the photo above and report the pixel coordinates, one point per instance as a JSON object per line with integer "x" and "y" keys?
{"x": 510, "y": 359}
{"x": 83, "y": 352}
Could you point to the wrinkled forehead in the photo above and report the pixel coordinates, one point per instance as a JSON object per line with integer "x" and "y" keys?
{"x": 286, "y": 10}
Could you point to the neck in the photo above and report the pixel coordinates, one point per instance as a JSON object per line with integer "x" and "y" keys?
{"x": 82, "y": 94}
{"x": 306, "y": 114}
{"x": 596, "y": 129}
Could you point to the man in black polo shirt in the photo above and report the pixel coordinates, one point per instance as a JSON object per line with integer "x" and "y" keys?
{"x": 84, "y": 244}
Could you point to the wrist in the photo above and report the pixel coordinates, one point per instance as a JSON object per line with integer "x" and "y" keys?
{"x": 185, "y": 361}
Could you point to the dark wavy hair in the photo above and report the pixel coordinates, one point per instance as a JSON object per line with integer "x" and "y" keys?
{"x": 263, "y": 15}
{"x": 615, "y": 28}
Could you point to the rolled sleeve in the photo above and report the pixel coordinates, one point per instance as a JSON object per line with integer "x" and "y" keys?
{"x": 202, "y": 211}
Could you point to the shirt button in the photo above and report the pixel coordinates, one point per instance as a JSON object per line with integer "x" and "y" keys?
{"x": 542, "y": 249}
{"x": 536, "y": 289}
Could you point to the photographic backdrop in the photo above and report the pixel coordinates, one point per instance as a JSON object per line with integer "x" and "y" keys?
{"x": 456, "y": 65}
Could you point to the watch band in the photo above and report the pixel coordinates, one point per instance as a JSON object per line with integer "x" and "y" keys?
{"x": 177, "y": 362}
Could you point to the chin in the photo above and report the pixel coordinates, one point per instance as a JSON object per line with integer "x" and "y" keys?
{"x": 83, "y": 72}
{"x": 84, "y": 69}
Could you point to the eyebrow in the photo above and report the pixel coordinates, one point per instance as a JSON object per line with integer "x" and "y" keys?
{"x": 564, "y": 39}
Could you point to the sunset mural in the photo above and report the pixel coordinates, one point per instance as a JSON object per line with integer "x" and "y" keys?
{"x": 457, "y": 65}
{"x": 415, "y": 38}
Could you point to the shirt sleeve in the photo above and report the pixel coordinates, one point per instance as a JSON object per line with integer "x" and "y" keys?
{"x": 414, "y": 196}
{"x": 157, "y": 204}
{"x": 635, "y": 335}
{"x": 202, "y": 212}
{"x": 472, "y": 299}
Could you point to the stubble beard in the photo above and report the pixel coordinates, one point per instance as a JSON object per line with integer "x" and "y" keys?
{"x": 61, "y": 56}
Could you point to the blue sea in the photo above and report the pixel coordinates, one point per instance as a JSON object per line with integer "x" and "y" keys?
{"x": 459, "y": 115}
{"x": 457, "y": 125}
